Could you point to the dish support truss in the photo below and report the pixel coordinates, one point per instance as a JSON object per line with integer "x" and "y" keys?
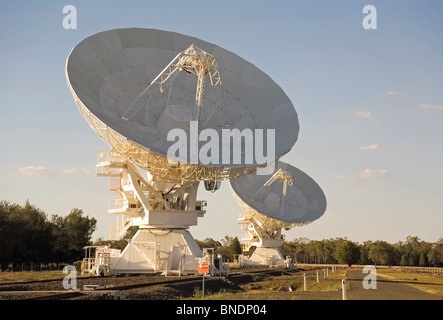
{"x": 196, "y": 62}
{"x": 263, "y": 232}
{"x": 162, "y": 211}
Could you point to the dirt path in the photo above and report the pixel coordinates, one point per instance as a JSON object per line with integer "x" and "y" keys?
{"x": 386, "y": 289}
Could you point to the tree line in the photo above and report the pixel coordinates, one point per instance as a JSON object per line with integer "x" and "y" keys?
{"x": 28, "y": 235}
{"x": 412, "y": 252}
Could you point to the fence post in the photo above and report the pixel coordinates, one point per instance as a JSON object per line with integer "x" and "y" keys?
{"x": 343, "y": 288}
{"x": 317, "y": 276}
{"x": 203, "y": 285}
{"x": 304, "y": 280}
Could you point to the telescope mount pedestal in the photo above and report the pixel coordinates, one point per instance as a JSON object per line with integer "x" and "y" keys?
{"x": 163, "y": 212}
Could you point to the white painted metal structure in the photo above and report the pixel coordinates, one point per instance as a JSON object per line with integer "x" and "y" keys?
{"x": 99, "y": 260}
{"x": 284, "y": 199}
{"x": 133, "y": 86}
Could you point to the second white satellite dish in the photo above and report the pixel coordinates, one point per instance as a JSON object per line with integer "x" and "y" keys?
{"x": 288, "y": 194}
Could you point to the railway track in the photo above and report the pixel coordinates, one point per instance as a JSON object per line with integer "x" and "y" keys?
{"x": 113, "y": 292}
{"x": 112, "y": 287}
{"x": 25, "y": 292}
{"x": 32, "y": 282}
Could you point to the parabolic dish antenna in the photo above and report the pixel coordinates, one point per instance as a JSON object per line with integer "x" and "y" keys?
{"x": 133, "y": 86}
{"x": 288, "y": 194}
{"x": 285, "y": 198}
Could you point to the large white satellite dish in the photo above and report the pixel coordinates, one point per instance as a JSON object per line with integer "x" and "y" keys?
{"x": 136, "y": 86}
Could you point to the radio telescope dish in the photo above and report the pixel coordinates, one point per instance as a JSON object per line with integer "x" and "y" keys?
{"x": 133, "y": 86}
{"x": 288, "y": 194}
{"x": 284, "y": 199}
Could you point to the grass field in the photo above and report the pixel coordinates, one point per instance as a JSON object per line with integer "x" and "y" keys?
{"x": 287, "y": 287}
{"x": 6, "y": 277}
{"x": 425, "y": 282}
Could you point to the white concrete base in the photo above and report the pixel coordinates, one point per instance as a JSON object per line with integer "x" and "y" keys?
{"x": 159, "y": 251}
{"x": 270, "y": 257}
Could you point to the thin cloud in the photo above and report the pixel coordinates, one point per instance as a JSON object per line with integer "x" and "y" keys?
{"x": 428, "y": 106}
{"x": 371, "y": 173}
{"x": 33, "y": 171}
{"x": 364, "y": 114}
{"x": 392, "y": 93}
{"x": 370, "y": 147}
{"x": 365, "y": 174}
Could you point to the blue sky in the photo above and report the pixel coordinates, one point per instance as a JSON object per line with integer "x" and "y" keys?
{"x": 370, "y": 106}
